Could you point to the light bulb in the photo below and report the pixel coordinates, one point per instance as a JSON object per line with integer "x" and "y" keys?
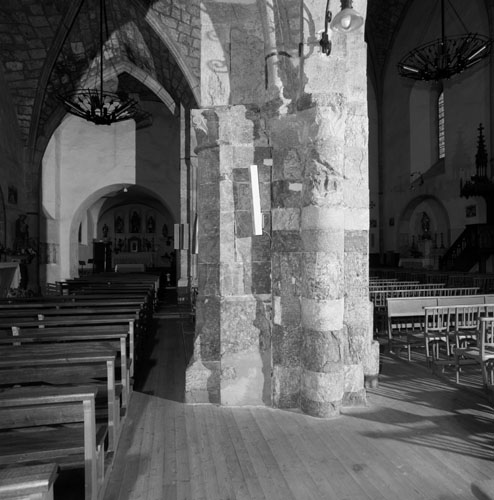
{"x": 346, "y": 21}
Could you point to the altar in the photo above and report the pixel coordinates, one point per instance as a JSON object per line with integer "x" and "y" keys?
{"x": 148, "y": 259}
{"x": 417, "y": 263}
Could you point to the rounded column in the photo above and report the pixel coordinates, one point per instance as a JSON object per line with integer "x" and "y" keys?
{"x": 322, "y": 276}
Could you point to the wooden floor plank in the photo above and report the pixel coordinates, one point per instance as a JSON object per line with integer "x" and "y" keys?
{"x": 265, "y": 464}
{"x": 210, "y": 416}
{"x": 182, "y": 453}
{"x": 420, "y": 437}
{"x": 214, "y": 490}
{"x": 233, "y": 460}
{"x": 431, "y": 433}
{"x": 403, "y": 470}
{"x": 158, "y": 446}
{"x": 128, "y": 455}
{"x": 252, "y": 483}
{"x": 141, "y": 485}
{"x": 295, "y": 458}
{"x": 311, "y": 452}
{"x": 197, "y": 472}
{"x": 327, "y": 455}
{"x": 169, "y": 469}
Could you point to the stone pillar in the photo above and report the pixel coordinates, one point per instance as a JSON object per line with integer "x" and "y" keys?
{"x": 192, "y": 162}
{"x": 184, "y": 251}
{"x": 362, "y": 358}
{"x": 326, "y": 192}
{"x": 286, "y": 260}
{"x": 232, "y": 359}
{"x": 202, "y": 376}
{"x": 322, "y": 230}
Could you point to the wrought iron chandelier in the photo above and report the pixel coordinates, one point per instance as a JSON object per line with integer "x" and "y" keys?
{"x": 446, "y": 56}
{"x": 96, "y": 105}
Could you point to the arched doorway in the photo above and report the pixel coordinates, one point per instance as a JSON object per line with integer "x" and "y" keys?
{"x": 424, "y": 230}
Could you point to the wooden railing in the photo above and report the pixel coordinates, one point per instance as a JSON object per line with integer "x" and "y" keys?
{"x": 475, "y": 243}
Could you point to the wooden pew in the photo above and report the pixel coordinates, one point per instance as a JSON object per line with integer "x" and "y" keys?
{"x": 28, "y": 482}
{"x": 96, "y": 332}
{"x": 74, "y": 302}
{"x": 116, "y": 337}
{"x": 145, "y": 298}
{"x": 39, "y": 409}
{"x": 55, "y": 364}
{"x": 25, "y": 310}
{"x": 137, "y": 336}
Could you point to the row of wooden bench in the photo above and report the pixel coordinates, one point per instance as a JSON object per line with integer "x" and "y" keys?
{"x": 464, "y": 325}
{"x": 403, "y": 285}
{"x": 380, "y": 298}
{"x": 484, "y": 282}
{"x": 66, "y": 370}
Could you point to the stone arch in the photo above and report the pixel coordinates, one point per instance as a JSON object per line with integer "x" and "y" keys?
{"x": 153, "y": 20}
{"x": 409, "y": 222}
{"x": 123, "y": 67}
{"x": 147, "y": 80}
{"x": 91, "y": 201}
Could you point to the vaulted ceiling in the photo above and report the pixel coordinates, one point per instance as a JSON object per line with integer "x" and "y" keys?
{"x": 384, "y": 17}
{"x": 50, "y": 47}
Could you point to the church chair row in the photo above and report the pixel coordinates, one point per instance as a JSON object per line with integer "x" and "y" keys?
{"x": 467, "y": 334}
{"x": 464, "y": 331}
{"x": 402, "y": 285}
{"x": 405, "y": 316}
{"x": 380, "y": 300}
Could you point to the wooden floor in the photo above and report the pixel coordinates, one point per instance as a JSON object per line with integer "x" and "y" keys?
{"x": 420, "y": 437}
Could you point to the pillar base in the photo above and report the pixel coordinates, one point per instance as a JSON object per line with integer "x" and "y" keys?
{"x": 321, "y": 409}
{"x": 354, "y": 399}
{"x": 202, "y": 383}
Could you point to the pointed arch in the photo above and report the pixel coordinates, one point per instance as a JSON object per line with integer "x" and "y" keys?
{"x": 152, "y": 19}
{"x": 121, "y": 67}
{"x": 437, "y": 212}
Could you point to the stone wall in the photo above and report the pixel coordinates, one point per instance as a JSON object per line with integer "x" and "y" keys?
{"x": 12, "y": 171}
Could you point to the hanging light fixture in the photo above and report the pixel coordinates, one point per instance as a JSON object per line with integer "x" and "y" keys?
{"x": 446, "y": 56}
{"x": 96, "y": 105}
{"x": 345, "y": 21}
